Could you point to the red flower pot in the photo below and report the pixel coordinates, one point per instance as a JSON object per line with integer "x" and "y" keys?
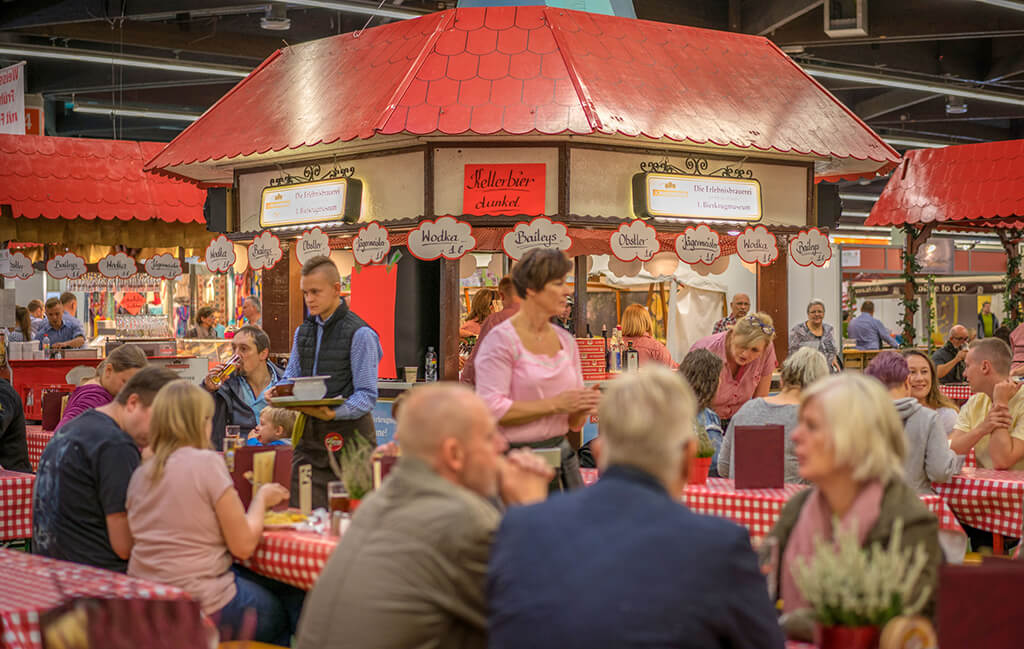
{"x": 353, "y": 505}
{"x": 847, "y": 637}
{"x": 699, "y": 470}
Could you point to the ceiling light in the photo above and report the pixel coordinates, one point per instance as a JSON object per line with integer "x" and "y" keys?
{"x": 913, "y": 143}
{"x": 1005, "y": 4}
{"x": 357, "y": 8}
{"x": 855, "y": 214}
{"x": 858, "y": 197}
{"x": 955, "y": 105}
{"x": 857, "y": 76}
{"x": 97, "y": 109}
{"x": 276, "y": 18}
{"x": 126, "y": 60}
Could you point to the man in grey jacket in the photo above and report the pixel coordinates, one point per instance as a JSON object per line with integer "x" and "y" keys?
{"x": 410, "y": 570}
{"x": 929, "y": 458}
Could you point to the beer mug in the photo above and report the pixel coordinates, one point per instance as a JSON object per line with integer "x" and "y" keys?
{"x": 225, "y": 372}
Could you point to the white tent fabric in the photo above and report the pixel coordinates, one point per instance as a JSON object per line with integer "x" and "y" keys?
{"x": 692, "y": 313}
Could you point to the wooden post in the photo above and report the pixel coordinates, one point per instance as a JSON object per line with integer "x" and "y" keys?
{"x": 448, "y": 353}
{"x": 280, "y": 315}
{"x": 773, "y": 299}
{"x": 912, "y": 245}
{"x": 1010, "y": 244}
{"x": 579, "y": 297}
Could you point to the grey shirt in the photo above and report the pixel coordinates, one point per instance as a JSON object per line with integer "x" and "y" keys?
{"x": 929, "y": 458}
{"x": 758, "y": 412}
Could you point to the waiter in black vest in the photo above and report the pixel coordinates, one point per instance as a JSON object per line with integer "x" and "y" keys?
{"x": 335, "y": 342}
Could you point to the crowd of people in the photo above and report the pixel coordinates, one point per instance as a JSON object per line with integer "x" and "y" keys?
{"x": 461, "y": 545}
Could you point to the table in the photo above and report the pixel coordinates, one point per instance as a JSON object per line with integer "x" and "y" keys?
{"x": 28, "y": 589}
{"x": 37, "y": 440}
{"x": 295, "y": 558}
{"x": 987, "y": 499}
{"x": 958, "y": 392}
{"x": 15, "y": 505}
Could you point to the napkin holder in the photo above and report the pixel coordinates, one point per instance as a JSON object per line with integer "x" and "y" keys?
{"x": 244, "y": 465}
{"x": 759, "y": 457}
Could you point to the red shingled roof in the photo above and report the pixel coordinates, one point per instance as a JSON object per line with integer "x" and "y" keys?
{"x": 530, "y": 70}
{"x": 72, "y": 178}
{"x": 968, "y": 185}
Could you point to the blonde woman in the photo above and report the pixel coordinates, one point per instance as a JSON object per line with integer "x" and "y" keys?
{"x": 111, "y": 375}
{"x": 188, "y": 522}
{"x": 748, "y": 360}
{"x": 638, "y": 328}
{"x": 850, "y": 445}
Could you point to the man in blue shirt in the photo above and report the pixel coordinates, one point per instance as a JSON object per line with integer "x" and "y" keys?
{"x": 335, "y": 342}
{"x": 35, "y": 312}
{"x": 868, "y": 331}
{"x": 70, "y": 304}
{"x": 62, "y": 331}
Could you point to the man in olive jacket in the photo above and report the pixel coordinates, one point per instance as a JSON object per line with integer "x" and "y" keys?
{"x": 410, "y": 570}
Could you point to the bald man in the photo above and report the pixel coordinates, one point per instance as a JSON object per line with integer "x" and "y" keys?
{"x": 739, "y": 307}
{"x": 949, "y": 359}
{"x": 411, "y": 569}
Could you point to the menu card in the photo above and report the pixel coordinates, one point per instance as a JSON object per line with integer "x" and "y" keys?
{"x": 759, "y": 460}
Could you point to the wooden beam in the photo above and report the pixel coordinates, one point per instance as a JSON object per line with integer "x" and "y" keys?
{"x": 773, "y": 299}
{"x": 761, "y": 17}
{"x": 889, "y": 101}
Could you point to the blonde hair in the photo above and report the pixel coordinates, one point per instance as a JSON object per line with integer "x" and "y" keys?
{"x": 181, "y": 412}
{"x": 636, "y": 321}
{"x": 865, "y": 432}
{"x": 646, "y": 420}
{"x": 753, "y": 328}
{"x": 803, "y": 367}
{"x": 282, "y": 417}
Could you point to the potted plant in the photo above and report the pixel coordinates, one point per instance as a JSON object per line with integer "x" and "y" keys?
{"x": 702, "y": 462}
{"x": 855, "y": 592}
{"x": 357, "y": 469}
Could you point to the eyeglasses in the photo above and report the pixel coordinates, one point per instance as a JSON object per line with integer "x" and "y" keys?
{"x": 768, "y": 329}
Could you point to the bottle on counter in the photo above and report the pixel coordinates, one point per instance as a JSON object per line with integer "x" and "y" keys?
{"x": 607, "y": 350}
{"x": 618, "y": 350}
{"x": 430, "y": 365}
{"x": 46, "y": 347}
{"x": 632, "y": 358}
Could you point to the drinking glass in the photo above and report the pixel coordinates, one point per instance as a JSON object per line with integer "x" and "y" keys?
{"x": 337, "y": 497}
{"x": 231, "y": 441}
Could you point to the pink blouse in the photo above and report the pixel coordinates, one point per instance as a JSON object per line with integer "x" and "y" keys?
{"x": 507, "y": 372}
{"x": 651, "y": 350}
{"x": 733, "y": 392}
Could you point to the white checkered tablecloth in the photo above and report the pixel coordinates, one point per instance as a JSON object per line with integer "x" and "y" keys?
{"x": 37, "y": 441}
{"x": 295, "y": 558}
{"x": 27, "y": 589}
{"x": 956, "y": 391}
{"x": 15, "y": 505}
{"x": 987, "y": 499}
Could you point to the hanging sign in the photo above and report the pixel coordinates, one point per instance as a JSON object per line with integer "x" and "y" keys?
{"x": 446, "y": 237}
{"x": 132, "y": 302}
{"x": 699, "y": 245}
{"x": 163, "y": 266}
{"x": 117, "y": 266}
{"x": 697, "y": 197}
{"x": 20, "y": 267}
{"x": 317, "y": 202}
{"x": 757, "y": 246}
{"x": 66, "y": 266}
{"x": 312, "y": 243}
{"x": 265, "y": 251}
{"x": 541, "y": 232}
{"x": 371, "y": 245}
{"x": 220, "y": 255}
{"x": 810, "y": 248}
{"x": 635, "y": 240}
{"x": 509, "y": 189}
{"x": 12, "y": 99}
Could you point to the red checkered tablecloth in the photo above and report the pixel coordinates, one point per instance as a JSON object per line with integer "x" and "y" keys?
{"x": 757, "y": 509}
{"x": 987, "y": 499}
{"x": 37, "y": 441}
{"x": 27, "y": 589}
{"x": 956, "y": 391}
{"x": 295, "y": 558}
{"x": 15, "y": 505}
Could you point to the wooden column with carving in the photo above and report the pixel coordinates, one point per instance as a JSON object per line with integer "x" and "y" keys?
{"x": 773, "y": 299}
{"x": 281, "y": 314}
{"x": 448, "y": 330}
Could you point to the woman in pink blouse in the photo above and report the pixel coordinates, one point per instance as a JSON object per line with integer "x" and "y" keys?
{"x": 638, "y": 328}
{"x": 528, "y": 370}
{"x": 748, "y": 362}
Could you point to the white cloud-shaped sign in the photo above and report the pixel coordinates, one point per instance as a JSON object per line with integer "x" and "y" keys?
{"x": 699, "y": 245}
{"x": 371, "y": 245}
{"x": 66, "y": 266}
{"x": 163, "y": 266}
{"x": 757, "y": 245}
{"x": 21, "y": 267}
{"x": 810, "y": 248}
{"x": 541, "y": 232}
{"x": 446, "y": 237}
{"x": 118, "y": 266}
{"x": 312, "y": 243}
{"x": 220, "y": 255}
{"x": 265, "y": 251}
{"x": 635, "y": 240}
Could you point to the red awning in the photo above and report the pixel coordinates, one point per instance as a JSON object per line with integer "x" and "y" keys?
{"x": 50, "y": 185}
{"x": 532, "y": 70}
{"x": 972, "y": 185}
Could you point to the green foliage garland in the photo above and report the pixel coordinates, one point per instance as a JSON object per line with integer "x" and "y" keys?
{"x": 910, "y": 272}
{"x": 1012, "y": 292}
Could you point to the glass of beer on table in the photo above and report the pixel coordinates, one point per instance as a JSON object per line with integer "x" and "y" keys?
{"x": 337, "y": 497}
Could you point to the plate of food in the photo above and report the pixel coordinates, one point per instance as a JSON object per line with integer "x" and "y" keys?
{"x": 285, "y": 520}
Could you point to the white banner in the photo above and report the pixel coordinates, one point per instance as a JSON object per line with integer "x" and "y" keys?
{"x": 12, "y": 99}
{"x": 699, "y": 245}
{"x": 635, "y": 240}
{"x": 757, "y": 246}
{"x": 371, "y": 245}
{"x": 312, "y": 243}
{"x": 810, "y": 248}
{"x": 540, "y": 232}
{"x": 446, "y": 237}
{"x": 732, "y": 199}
